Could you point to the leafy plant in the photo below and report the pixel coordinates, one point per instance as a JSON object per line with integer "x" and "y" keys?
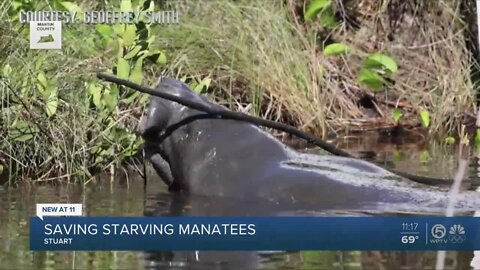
{"x": 397, "y": 114}
{"x": 45, "y": 95}
{"x": 72, "y": 7}
{"x": 315, "y": 7}
{"x": 49, "y": 91}
{"x": 203, "y": 85}
{"x": 371, "y": 79}
{"x": 17, "y": 5}
{"x": 380, "y": 62}
{"x": 335, "y": 49}
{"x": 425, "y": 118}
{"x": 375, "y": 69}
{"x": 22, "y": 131}
{"x": 324, "y": 9}
{"x": 199, "y": 86}
{"x": 133, "y": 43}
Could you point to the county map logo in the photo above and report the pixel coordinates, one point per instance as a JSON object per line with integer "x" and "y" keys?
{"x": 46, "y": 35}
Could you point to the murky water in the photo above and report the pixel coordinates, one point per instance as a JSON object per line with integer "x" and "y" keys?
{"x": 127, "y": 197}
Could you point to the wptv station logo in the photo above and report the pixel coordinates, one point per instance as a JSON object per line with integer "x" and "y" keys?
{"x": 440, "y": 235}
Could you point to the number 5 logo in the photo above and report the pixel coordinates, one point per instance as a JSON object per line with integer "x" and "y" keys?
{"x": 438, "y": 231}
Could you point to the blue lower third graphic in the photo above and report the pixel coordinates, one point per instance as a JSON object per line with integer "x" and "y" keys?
{"x": 255, "y": 233}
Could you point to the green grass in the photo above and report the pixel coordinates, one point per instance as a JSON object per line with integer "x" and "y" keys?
{"x": 258, "y": 53}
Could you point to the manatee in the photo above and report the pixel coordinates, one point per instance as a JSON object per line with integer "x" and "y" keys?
{"x": 200, "y": 153}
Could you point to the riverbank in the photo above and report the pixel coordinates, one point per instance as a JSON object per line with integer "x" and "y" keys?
{"x": 59, "y": 122}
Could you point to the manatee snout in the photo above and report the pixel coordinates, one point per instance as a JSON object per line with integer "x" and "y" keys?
{"x": 156, "y": 119}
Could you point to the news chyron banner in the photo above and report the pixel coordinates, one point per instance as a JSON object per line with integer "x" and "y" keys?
{"x": 63, "y": 227}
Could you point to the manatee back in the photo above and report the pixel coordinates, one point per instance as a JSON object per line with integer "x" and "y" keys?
{"x": 180, "y": 89}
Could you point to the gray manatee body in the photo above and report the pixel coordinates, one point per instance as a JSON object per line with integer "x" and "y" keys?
{"x": 205, "y": 155}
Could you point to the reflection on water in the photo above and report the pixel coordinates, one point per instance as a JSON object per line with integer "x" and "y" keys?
{"x": 17, "y": 205}
{"x": 409, "y": 153}
{"x": 123, "y": 198}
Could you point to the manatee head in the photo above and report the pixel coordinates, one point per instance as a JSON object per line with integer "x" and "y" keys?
{"x": 161, "y": 112}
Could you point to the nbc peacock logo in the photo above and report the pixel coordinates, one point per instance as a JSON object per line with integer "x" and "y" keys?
{"x": 456, "y": 234}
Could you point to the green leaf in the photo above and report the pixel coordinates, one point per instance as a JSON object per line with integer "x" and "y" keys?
{"x": 327, "y": 17}
{"x": 206, "y": 82}
{"x": 137, "y": 75}
{"x": 451, "y": 140}
{"x": 335, "y": 49}
{"x": 118, "y": 29}
{"x": 51, "y": 90}
{"x": 117, "y": 47}
{"x": 98, "y": 159}
{"x": 195, "y": 86}
{"x": 150, "y": 40}
{"x": 314, "y": 8}
{"x": 123, "y": 68}
{"x": 110, "y": 99}
{"x": 380, "y": 61}
{"x": 107, "y": 152}
{"x": 42, "y": 79}
{"x": 7, "y": 70}
{"x": 40, "y": 88}
{"x": 72, "y": 7}
{"x": 162, "y": 59}
{"x": 40, "y": 59}
{"x": 144, "y": 99}
{"x": 371, "y": 79}
{"x": 21, "y": 137}
{"x": 96, "y": 93}
{"x": 22, "y": 131}
{"x": 425, "y": 118}
{"x": 126, "y": 5}
{"x": 133, "y": 52}
{"x": 397, "y": 114}
{"x": 106, "y": 31}
{"x": 44, "y": 86}
{"x": 51, "y": 105}
{"x": 133, "y": 150}
{"x": 131, "y": 98}
{"x": 16, "y": 4}
{"x": 151, "y": 7}
{"x": 129, "y": 35}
